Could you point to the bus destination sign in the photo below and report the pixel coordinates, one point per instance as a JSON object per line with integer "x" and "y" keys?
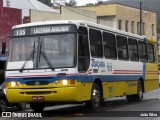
{"x": 19, "y": 32}
{"x": 49, "y": 29}
{"x": 43, "y": 30}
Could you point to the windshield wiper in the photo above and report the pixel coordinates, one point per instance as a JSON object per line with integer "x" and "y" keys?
{"x": 28, "y": 58}
{"x": 45, "y": 57}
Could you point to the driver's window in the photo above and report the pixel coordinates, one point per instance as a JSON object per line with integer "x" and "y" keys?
{"x": 83, "y": 50}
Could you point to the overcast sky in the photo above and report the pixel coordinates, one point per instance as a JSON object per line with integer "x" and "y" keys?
{"x": 84, "y": 2}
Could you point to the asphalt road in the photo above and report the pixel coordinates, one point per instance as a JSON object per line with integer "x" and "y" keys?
{"x": 113, "y": 109}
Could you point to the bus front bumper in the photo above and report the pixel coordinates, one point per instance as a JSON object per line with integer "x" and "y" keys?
{"x": 61, "y": 94}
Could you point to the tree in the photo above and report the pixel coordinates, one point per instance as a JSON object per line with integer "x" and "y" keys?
{"x": 72, "y": 3}
{"x": 99, "y": 2}
{"x": 89, "y": 4}
{"x": 47, "y": 2}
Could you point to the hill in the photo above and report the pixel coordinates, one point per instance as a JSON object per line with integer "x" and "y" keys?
{"x": 150, "y": 5}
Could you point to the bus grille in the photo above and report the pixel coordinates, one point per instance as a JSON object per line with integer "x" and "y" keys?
{"x": 36, "y": 83}
{"x": 39, "y": 93}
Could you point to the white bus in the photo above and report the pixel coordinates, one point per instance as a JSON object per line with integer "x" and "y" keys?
{"x": 78, "y": 62}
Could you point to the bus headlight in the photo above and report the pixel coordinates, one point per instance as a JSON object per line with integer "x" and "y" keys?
{"x": 64, "y": 82}
{"x": 13, "y": 84}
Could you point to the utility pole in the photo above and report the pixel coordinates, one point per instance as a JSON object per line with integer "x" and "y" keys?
{"x": 140, "y": 17}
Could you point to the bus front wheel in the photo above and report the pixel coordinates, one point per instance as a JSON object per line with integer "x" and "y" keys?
{"x": 37, "y": 107}
{"x": 95, "y": 101}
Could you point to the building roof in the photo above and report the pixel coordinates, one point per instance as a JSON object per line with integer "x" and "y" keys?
{"x": 25, "y": 5}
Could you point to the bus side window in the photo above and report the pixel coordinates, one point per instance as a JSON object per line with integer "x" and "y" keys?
{"x": 83, "y": 50}
{"x": 96, "y": 43}
{"x": 122, "y": 47}
{"x": 150, "y": 53}
{"x": 133, "y": 49}
{"x": 142, "y": 51}
{"x": 109, "y": 43}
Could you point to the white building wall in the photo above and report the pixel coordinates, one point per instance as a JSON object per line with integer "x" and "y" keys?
{"x": 38, "y": 16}
{"x": 109, "y": 21}
{"x": 67, "y": 13}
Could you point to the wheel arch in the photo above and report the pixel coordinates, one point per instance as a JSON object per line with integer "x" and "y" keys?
{"x": 142, "y": 81}
{"x": 99, "y": 83}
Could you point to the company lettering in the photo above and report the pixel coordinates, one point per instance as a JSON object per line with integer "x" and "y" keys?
{"x": 97, "y": 63}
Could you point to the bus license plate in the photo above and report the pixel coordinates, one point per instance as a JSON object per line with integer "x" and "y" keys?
{"x": 37, "y": 98}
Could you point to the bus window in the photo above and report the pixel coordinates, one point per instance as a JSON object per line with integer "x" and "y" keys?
{"x": 142, "y": 51}
{"x": 122, "y": 47}
{"x": 133, "y": 49}
{"x": 109, "y": 45}
{"x": 95, "y": 43}
{"x": 83, "y": 50}
{"x": 59, "y": 50}
{"x": 150, "y": 52}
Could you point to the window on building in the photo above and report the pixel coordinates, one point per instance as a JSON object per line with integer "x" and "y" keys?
{"x": 109, "y": 43}
{"x": 120, "y": 24}
{"x": 95, "y": 43}
{"x": 83, "y": 50}
{"x": 138, "y": 28}
{"x": 150, "y": 53}
{"x": 133, "y": 49}
{"x": 132, "y": 27}
{"x": 153, "y": 30}
{"x": 142, "y": 51}
{"x": 122, "y": 47}
{"x": 143, "y": 28}
{"x": 126, "y": 25}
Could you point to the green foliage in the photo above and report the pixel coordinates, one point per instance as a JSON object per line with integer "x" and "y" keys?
{"x": 47, "y": 2}
{"x": 99, "y": 2}
{"x": 90, "y": 4}
{"x": 72, "y": 3}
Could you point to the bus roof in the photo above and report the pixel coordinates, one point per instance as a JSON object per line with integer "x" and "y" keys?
{"x": 79, "y": 22}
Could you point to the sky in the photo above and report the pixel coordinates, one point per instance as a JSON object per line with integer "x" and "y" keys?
{"x": 84, "y": 2}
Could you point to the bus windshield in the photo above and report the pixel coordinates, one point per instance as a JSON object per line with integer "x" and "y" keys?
{"x": 58, "y": 50}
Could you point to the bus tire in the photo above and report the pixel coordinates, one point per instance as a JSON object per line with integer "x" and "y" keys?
{"x": 3, "y": 105}
{"x": 37, "y": 107}
{"x": 138, "y": 96}
{"x": 95, "y": 101}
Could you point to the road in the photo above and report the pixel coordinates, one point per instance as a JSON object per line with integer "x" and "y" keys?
{"x": 113, "y": 109}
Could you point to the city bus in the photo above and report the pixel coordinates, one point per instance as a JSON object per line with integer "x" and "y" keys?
{"x": 77, "y": 61}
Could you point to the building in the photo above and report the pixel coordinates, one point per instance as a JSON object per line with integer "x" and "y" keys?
{"x": 8, "y": 18}
{"x": 125, "y": 18}
{"x": 27, "y": 5}
{"x": 65, "y": 13}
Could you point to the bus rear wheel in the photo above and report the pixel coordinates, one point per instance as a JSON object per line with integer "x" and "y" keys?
{"x": 37, "y": 107}
{"x": 95, "y": 101}
{"x": 138, "y": 96}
